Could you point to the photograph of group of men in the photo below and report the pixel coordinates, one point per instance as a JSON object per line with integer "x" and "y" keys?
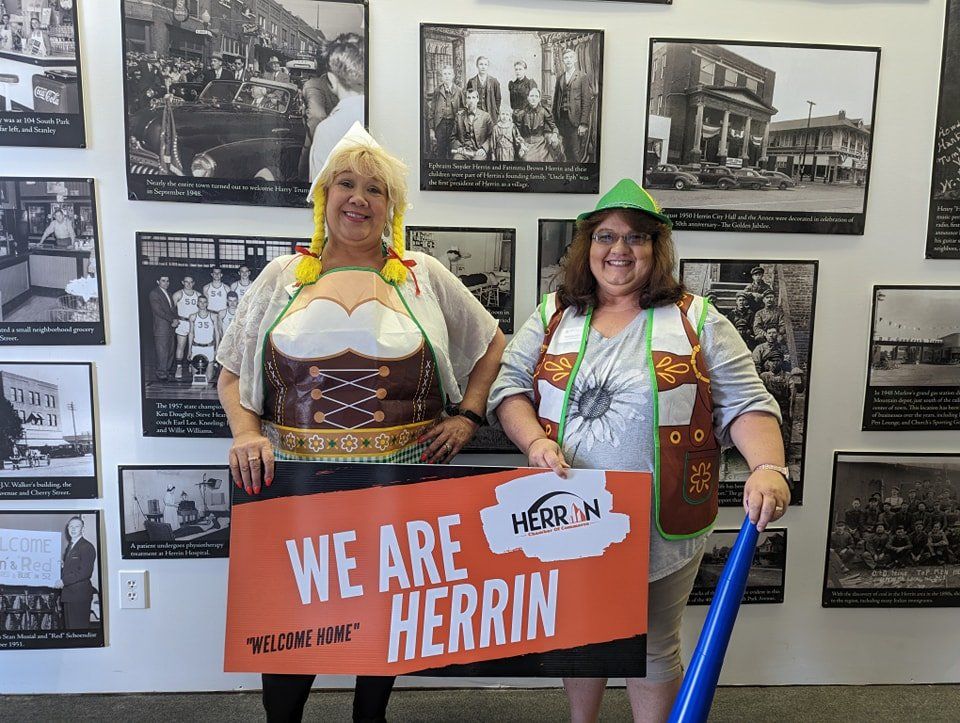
{"x": 190, "y": 289}
{"x": 895, "y": 522}
{"x": 510, "y": 94}
{"x": 771, "y": 304}
{"x": 261, "y": 99}
{"x": 189, "y": 322}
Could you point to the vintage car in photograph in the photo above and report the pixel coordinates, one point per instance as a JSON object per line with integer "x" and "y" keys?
{"x": 667, "y": 174}
{"x": 247, "y": 130}
{"x": 750, "y": 178}
{"x": 779, "y": 180}
{"x": 715, "y": 176}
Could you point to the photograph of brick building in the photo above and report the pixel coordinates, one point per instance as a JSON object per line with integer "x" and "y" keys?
{"x": 47, "y": 445}
{"x": 751, "y": 137}
{"x": 772, "y": 305}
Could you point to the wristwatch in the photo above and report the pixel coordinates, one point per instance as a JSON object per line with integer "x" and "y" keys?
{"x": 785, "y": 471}
{"x": 454, "y": 410}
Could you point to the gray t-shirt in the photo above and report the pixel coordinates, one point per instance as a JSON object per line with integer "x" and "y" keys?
{"x": 610, "y": 416}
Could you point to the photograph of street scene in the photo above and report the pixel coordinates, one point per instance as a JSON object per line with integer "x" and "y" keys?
{"x": 894, "y": 531}
{"x": 782, "y": 132}
{"x": 47, "y": 446}
{"x": 765, "y": 579}
{"x": 247, "y": 90}
{"x": 913, "y": 378}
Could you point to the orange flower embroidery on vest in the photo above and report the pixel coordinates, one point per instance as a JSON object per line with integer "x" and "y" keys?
{"x": 700, "y": 477}
{"x": 668, "y": 369}
{"x": 560, "y": 369}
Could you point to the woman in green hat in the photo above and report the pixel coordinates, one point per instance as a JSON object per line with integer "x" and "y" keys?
{"x": 621, "y": 368}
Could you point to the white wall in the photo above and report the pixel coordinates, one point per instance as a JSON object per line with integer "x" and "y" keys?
{"x": 177, "y": 643}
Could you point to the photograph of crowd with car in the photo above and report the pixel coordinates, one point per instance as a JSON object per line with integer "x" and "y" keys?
{"x": 252, "y": 90}
{"x": 760, "y": 127}
{"x": 895, "y": 523}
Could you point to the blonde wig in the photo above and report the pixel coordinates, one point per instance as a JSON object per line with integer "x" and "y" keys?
{"x": 365, "y": 160}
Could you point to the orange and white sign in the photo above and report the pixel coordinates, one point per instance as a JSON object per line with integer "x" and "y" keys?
{"x": 343, "y": 577}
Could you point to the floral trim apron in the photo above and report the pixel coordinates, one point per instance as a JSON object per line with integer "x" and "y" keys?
{"x": 686, "y": 450}
{"x": 349, "y": 373}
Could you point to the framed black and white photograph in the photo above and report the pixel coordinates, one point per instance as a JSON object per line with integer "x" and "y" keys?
{"x": 894, "y": 537}
{"x": 41, "y": 95}
{"x": 239, "y": 102}
{"x": 48, "y": 445}
{"x": 51, "y": 586}
{"x": 482, "y": 258}
{"x": 174, "y": 512}
{"x": 555, "y": 236}
{"x": 190, "y": 286}
{"x": 913, "y": 375}
{"x": 753, "y": 137}
{"x": 49, "y": 256}
{"x": 765, "y": 580}
{"x": 772, "y": 305}
{"x": 943, "y": 226}
{"x": 510, "y": 109}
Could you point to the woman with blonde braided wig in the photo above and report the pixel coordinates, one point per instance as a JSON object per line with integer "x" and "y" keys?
{"x": 353, "y": 350}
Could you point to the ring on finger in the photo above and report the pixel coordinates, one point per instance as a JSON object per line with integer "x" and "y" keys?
{"x": 253, "y": 458}
{"x": 446, "y": 446}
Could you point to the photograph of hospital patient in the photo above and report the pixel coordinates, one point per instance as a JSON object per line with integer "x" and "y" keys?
{"x": 175, "y": 512}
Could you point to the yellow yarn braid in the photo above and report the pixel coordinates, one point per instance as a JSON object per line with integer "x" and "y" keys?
{"x": 310, "y": 267}
{"x": 394, "y": 270}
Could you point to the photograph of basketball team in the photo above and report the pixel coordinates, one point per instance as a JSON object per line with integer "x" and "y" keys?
{"x": 894, "y": 537}
{"x": 771, "y": 304}
{"x": 190, "y": 287}
{"x": 521, "y": 97}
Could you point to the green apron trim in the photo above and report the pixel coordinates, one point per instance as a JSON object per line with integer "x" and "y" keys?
{"x": 542, "y": 306}
{"x": 656, "y": 427}
{"x": 703, "y": 316}
{"x": 584, "y": 336}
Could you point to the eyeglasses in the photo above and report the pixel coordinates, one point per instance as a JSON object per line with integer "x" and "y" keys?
{"x": 634, "y": 238}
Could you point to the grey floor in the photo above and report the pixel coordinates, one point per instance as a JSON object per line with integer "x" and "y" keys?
{"x": 822, "y": 704}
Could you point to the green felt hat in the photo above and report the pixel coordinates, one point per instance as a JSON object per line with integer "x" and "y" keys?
{"x": 628, "y": 194}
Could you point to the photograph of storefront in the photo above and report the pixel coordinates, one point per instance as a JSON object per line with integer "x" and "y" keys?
{"x": 49, "y": 286}
{"x": 41, "y": 101}
{"x": 237, "y": 90}
{"x": 47, "y": 447}
{"x": 826, "y": 149}
{"x": 736, "y": 142}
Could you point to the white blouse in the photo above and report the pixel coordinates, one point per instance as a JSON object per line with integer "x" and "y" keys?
{"x": 454, "y": 321}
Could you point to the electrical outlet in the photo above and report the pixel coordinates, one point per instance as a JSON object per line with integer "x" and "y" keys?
{"x": 133, "y": 590}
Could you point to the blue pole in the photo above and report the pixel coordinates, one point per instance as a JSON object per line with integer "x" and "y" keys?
{"x": 700, "y": 682}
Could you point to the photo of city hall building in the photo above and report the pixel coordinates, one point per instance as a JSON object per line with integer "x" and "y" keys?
{"x": 719, "y": 104}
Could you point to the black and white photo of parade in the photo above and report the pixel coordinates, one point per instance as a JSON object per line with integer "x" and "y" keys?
{"x": 230, "y": 102}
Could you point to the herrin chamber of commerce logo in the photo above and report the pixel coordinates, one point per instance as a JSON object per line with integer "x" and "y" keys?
{"x": 551, "y": 519}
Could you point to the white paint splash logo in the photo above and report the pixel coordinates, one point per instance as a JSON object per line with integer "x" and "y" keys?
{"x": 552, "y": 519}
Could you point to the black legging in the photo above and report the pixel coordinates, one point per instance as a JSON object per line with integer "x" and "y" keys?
{"x": 285, "y": 695}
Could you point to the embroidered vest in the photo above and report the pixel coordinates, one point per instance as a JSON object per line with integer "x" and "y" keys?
{"x": 686, "y": 452}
